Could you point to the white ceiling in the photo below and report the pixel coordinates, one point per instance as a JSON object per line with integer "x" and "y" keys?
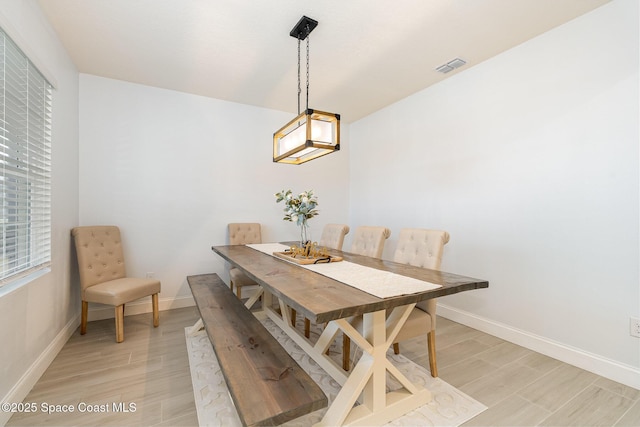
{"x": 365, "y": 54}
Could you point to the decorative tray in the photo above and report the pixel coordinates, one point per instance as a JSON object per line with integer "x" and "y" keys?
{"x": 306, "y": 260}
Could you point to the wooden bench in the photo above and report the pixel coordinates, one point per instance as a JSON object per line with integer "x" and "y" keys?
{"x": 266, "y": 385}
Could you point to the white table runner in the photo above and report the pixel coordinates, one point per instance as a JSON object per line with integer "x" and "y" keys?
{"x": 382, "y": 284}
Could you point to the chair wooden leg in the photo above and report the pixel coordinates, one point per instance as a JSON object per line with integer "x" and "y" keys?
{"x": 346, "y": 352}
{"x": 120, "y": 323}
{"x": 431, "y": 341}
{"x": 83, "y": 318}
{"x": 294, "y": 313}
{"x": 307, "y": 327}
{"x": 231, "y": 285}
{"x": 239, "y": 292}
{"x": 156, "y": 314}
{"x": 326, "y": 352}
{"x": 396, "y": 348}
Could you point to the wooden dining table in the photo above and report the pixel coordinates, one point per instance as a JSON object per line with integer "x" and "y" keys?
{"x": 364, "y": 398}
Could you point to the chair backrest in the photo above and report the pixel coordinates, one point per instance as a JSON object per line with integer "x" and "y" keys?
{"x": 421, "y": 247}
{"x": 333, "y": 236}
{"x": 241, "y": 233}
{"x": 100, "y": 255}
{"x": 369, "y": 241}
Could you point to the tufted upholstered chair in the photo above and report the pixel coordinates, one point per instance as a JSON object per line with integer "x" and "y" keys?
{"x": 103, "y": 277}
{"x": 368, "y": 241}
{"x": 333, "y": 236}
{"x": 421, "y": 248}
{"x": 242, "y": 234}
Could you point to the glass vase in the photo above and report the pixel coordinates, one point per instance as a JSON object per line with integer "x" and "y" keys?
{"x": 305, "y": 234}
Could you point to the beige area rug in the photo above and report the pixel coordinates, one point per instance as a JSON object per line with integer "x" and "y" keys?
{"x": 449, "y": 407}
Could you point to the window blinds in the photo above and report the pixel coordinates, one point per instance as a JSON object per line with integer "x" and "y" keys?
{"x": 25, "y": 164}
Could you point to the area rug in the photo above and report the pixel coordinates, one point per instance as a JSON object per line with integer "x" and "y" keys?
{"x": 449, "y": 406}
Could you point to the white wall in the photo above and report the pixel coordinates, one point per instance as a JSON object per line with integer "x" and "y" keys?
{"x": 38, "y": 316}
{"x": 530, "y": 160}
{"x": 173, "y": 169}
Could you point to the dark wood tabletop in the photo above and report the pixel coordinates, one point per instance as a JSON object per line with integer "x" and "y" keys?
{"x": 322, "y": 299}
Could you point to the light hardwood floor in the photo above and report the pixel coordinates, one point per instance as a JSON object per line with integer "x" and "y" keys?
{"x": 151, "y": 370}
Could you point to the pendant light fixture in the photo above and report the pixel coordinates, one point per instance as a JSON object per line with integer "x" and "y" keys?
{"x": 312, "y": 133}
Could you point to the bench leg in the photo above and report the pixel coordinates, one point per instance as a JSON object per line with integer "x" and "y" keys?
{"x": 198, "y": 326}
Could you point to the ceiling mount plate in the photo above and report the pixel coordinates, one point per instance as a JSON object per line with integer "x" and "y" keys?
{"x": 303, "y": 28}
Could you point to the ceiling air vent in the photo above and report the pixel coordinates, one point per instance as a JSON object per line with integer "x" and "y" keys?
{"x": 451, "y": 65}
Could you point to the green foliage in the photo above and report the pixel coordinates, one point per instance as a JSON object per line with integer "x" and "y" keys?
{"x": 298, "y": 209}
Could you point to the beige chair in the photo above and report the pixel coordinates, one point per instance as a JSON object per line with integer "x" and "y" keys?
{"x": 103, "y": 278}
{"x": 421, "y": 248}
{"x": 242, "y": 234}
{"x": 368, "y": 241}
{"x": 333, "y": 238}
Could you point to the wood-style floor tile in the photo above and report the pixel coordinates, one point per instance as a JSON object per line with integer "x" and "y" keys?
{"x": 512, "y": 411}
{"x": 595, "y": 406}
{"x": 558, "y": 386}
{"x": 539, "y": 362}
{"x": 631, "y": 417}
{"x": 491, "y": 389}
{"x": 457, "y": 352}
{"x": 466, "y": 371}
{"x": 503, "y": 354}
{"x": 151, "y": 369}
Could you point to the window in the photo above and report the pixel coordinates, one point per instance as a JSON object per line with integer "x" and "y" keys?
{"x": 25, "y": 164}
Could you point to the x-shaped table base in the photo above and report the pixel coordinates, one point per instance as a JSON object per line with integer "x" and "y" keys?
{"x": 367, "y": 382}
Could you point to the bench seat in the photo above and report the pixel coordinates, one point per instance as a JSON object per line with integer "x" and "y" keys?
{"x": 266, "y": 385}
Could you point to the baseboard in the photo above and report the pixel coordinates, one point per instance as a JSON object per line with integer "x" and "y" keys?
{"x": 22, "y": 388}
{"x": 100, "y": 312}
{"x": 616, "y": 371}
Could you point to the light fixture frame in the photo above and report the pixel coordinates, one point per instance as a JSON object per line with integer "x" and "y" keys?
{"x": 319, "y": 148}
{"x": 308, "y": 148}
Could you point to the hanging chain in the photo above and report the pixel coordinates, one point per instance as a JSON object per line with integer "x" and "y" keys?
{"x": 299, "y": 88}
{"x": 308, "y": 37}
{"x": 299, "y": 84}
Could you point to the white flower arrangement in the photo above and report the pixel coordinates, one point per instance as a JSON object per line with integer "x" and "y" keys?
{"x": 298, "y": 209}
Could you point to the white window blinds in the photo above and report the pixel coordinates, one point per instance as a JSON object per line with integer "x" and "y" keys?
{"x": 25, "y": 164}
